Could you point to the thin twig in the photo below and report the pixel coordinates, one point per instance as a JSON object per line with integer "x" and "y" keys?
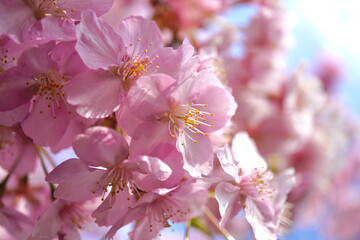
{"x": 52, "y": 187}
{"x": 215, "y": 221}
{"x": 4, "y": 181}
{"x": 188, "y": 224}
{"x": 48, "y": 157}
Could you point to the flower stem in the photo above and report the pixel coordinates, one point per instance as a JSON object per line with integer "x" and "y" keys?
{"x": 48, "y": 157}
{"x": 188, "y": 224}
{"x": 4, "y": 182}
{"x": 52, "y": 187}
{"x": 215, "y": 221}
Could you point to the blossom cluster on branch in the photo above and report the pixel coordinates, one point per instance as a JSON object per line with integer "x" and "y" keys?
{"x": 167, "y": 127}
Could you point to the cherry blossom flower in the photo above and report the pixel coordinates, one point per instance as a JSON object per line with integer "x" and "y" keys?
{"x": 155, "y": 210}
{"x": 37, "y": 86}
{"x": 253, "y": 188}
{"x": 187, "y": 109}
{"x": 108, "y": 168}
{"x": 62, "y": 219}
{"x": 119, "y": 58}
{"x": 46, "y": 19}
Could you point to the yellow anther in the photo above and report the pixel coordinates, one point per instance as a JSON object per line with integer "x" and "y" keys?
{"x": 139, "y": 39}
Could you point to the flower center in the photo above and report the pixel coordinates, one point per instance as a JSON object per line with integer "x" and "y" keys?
{"x": 74, "y": 215}
{"x": 4, "y": 57}
{"x": 189, "y": 120}
{"x": 117, "y": 180}
{"x": 49, "y": 89}
{"x": 43, "y": 8}
{"x": 134, "y": 63}
{"x": 165, "y": 209}
{"x": 257, "y": 184}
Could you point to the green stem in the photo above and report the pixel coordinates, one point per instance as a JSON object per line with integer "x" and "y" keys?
{"x": 48, "y": 157}
{"x": 4, "y": 182}
{"x": 52, "y": 187}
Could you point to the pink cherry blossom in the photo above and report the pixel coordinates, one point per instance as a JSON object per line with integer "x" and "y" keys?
{"x": 37, "y": 85}
{"x": 254, "y": 188}
{"x": 44, "y": 19}
{"x": 62, "y": 219}
{"x": 117, "y": 59}
{"x": 187, "y": 110}
{"x": 155, "y": 210}
{"x": 118, "y": 175}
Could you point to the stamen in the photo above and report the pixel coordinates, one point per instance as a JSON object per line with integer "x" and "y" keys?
{"x": 185, "y": 119}
{"x": 49, "y": 86}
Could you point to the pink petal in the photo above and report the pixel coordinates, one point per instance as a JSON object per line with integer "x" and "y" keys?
{"x": 98, "y": 44}
{"x": 228, "y": 163}
{"x": 74, "y": 127}
{"x": 16, "y": 223}
{"x": 27, "y": 161}
{"x": 11, "y": 117}
{"x": 68, "y": 60}
{"x": 220, "y": 103}
{"x": 53, "y": 28}
{"x": 76, "y": 181}
{"x": 36, "y": 60}
{"x": 49, "y": 223}
{"x": 148, "y": 98}
{"x": 15, "y": 19}
{"x": 258, "y": 213}
{"x": 126, "y": 119}
{"x": 97, "y": 93}
{"x": 198, "y": 156}
{"x": 186, "y": 63}
{"x": 113, "y": 208}
{"x": 14, "y": 92}
{"x": 133, "y": 214}
{"x": 74, "y": 8}
{"x": 101, "y": 146}
{"x": 45, "y": 125}
{"x": 135, "y": 27}
{"x": 246, "y": 154}
{"x": 150, "y": 134}
{"x": 228, "y": 197}
{"x": 172, "y": 158}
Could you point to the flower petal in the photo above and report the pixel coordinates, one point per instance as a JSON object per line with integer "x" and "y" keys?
{"x": 74, "y": 8}
{"x": 46, "y": 125}
{"x": 228, "y": 197}
{"x": 228, "y": 163}
{"x": 148, "y": 98}
{"x": 76, "y": 181}
{"x": 97, "y": 93}
{"x": 101, "y": 146}
{"x": 246, "y": 154}
{"x": 198, "y": 156}
{"x": 98, "y": 44}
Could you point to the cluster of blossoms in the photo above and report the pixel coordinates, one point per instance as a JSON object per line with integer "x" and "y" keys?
{"x": 166, "y": 127}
